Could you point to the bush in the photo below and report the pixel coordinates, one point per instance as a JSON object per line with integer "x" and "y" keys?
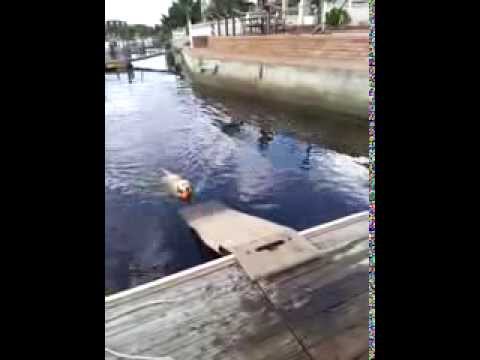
{"x": 336, "y": 17}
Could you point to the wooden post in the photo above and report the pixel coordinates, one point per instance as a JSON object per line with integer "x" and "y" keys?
{"x": 226, "y": 26}
{"x": 218, "y": 27}
{"x": 233, "y": 25}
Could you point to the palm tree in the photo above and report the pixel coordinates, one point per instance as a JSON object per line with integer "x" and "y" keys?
{"x": 182, "y": 13}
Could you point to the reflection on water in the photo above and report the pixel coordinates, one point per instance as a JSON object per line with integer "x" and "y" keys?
{"x": 291, "y": 167}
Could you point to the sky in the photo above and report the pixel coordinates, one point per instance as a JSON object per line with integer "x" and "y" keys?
{"x": 147, "y": 12}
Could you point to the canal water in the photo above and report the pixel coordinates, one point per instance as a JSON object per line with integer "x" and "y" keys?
{"x": 295, "y": 168}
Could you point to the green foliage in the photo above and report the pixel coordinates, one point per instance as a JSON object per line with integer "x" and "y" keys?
{"x": 179, "y": 11}
{"x": 226, "y": 8}
{"x": 131, "y": 33}
{"x": 337, "y": 17}
{"x": 164, "y": 35}
{"x": 119, "y": 31}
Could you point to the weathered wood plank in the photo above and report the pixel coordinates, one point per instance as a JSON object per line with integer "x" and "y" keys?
{"x": 339, "y": 234}
{"x": 349, "y": 345}
{"x": 222, "y": 315}
{"x": 223, "y": 228}
{"x": 325, "y": 302}
{"x": 267, "y": 256}
{"x": 216, "y": 312}
{"x": 312, "y": 234}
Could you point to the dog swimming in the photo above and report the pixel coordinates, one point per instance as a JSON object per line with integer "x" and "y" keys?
{"x": 176, "y": 186}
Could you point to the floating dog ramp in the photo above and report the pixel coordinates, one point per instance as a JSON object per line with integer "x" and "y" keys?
{"x": 262, "y": 248}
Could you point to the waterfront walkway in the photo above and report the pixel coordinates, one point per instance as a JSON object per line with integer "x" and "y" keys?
{"x": 314, "y": 310}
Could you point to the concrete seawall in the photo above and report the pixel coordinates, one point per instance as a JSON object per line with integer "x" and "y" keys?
{"x": 322, "y": 80}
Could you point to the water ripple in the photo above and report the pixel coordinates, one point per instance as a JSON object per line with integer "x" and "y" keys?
{"x": 310, "y": 169}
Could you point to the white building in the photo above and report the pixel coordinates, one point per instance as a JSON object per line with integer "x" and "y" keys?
{"x": 303, "y": 12}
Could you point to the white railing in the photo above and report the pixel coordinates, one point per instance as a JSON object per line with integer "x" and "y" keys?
{"x": 221, "y": 27}
{"x": 203, "y": 29}
{"x": 358, "y": 10}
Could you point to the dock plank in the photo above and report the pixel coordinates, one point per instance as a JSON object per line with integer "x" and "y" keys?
{"x": 222, "y": 315}
{"x": 325, "y": 302}
{"x": 223, "y": 228}
{"x": 318, "y": 310}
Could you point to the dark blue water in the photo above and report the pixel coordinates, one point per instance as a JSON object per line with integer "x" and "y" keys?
{"x": 307, "y": 174}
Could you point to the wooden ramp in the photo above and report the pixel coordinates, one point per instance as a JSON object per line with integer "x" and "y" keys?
{"x": 262, "y": 248}
{"x": 222, "y": 228}
{"x": 316, "y": 310}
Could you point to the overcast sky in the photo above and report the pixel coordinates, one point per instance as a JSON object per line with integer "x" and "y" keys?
{"x": 147, "y": 12}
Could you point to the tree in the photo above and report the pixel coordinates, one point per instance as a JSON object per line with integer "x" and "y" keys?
{"x": 131, "y": 33}
{"x": 181, "y": 12}
{"x": 226, "y": 8}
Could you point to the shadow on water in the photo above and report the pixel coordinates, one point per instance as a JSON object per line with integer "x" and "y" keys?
{"x": 286, "y": 165}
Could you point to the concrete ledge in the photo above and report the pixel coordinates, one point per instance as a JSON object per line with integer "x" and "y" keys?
{"x": 342, "y": 89}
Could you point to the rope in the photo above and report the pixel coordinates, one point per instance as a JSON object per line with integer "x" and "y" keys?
{"x": 139, "y": 357}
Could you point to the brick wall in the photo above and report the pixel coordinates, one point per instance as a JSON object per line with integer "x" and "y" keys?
{"x": 288, "y": 46}
{"x": 200, "y": 41}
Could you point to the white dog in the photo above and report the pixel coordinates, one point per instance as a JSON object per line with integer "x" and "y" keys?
{"x": 177, "y": 186}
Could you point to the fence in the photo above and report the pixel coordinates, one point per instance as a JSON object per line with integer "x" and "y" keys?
{"x": 236, "y": 26}
{"x": 220, "y": 27}
{"x": 262, "y": 23}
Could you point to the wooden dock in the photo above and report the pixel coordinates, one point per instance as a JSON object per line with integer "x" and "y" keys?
{"x": 314, "y": 310}
{"x": 144, "y": 57}
{"x": 121, "y": 64}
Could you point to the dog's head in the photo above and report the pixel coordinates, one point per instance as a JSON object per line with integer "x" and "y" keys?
{"x": 184, "y": 190}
